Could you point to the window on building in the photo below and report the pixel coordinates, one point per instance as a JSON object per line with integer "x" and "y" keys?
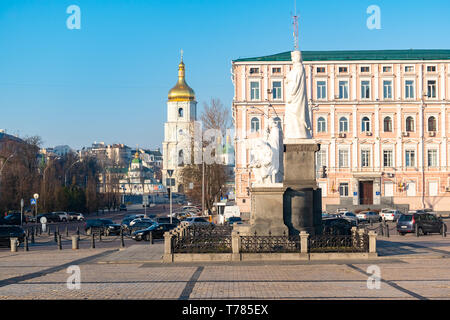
{"x": 409, "y": 68}
{"x": 365, "y": 124}
{"x": 365, "y": 89}
{"x": 410, "y": 158}
{"x": 343, "y": 189}
{"x": 432, "y": 124}
{"x": 431, "y": 68}
{"x": 276, "y": 90}
{"x": 180, "y": 158}
{"x": 387, "y": 158}
{"x": 409, "y": 89}
{"x": 343, "y": 69}
{"x": 321, "y": 125}
{"x": 387, "y": 69}
{"x": 343, "y": 158}
{"x": 320, "y": 69}
{"x": 409, "y": 124}
{"x": 432, "y": 158}
{"x": 321, "y": 159}
{"x": 276, "y": 70}
{"x": 365, "y": 158}
{"x": 343, "y": 124}
{"x": 321, "y": 90}
{"x": 254, "y": 124}
{"x": 180, "y": 112}
{"x": 254, "y": 70}
{"x": 343, "y": 89}
{"x": 365, "y": 69}
{"x": 387, "y": 124}
{"x": 387, "y": 89}
{"x": 431, "y": 89}
{"x": 254, "y": 90}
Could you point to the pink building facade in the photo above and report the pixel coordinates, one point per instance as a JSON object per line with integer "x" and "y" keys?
{"x": 382, "y": 119}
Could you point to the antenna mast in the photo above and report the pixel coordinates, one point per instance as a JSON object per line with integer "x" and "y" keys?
{"x": 295, "y": 24}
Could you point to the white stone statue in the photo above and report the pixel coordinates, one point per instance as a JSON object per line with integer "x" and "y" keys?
{"x": 297, "y": 120}
{"x": 265, "y": 153}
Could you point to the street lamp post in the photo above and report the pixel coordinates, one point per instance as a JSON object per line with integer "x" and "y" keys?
{"x": 170, "y": 172}
{"x": 65, "y": 174}
{"x": 4, "y": 163}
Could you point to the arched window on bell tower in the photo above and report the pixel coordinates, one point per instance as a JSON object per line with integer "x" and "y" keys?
{"x": 180, "y": 113}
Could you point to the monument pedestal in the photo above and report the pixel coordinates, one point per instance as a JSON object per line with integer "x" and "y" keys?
{"x": 302, "y": 199}
{"x": 267, "y": 209}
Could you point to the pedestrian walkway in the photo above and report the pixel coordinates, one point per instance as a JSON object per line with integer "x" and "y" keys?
{"x": 137, "y": 253}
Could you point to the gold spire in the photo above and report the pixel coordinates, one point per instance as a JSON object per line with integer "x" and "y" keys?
{"x": 181, "y": 91}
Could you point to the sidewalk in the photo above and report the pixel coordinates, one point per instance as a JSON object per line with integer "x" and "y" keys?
{"x": 136, "y": 254}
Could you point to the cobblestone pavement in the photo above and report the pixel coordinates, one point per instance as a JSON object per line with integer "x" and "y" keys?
{"x": 410, "y": 268}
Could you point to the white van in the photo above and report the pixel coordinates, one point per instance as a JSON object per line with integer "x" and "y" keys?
{"x": 231, "y": 211}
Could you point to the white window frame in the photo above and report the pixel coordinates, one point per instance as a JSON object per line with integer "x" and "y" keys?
{"x": 317, "y": 89}
{"x": 369, "y": 160}
{"x": 343, "y": 66}
{"x": 431, "y": 65}
{"x": 339, "y": 89}
{"x": 320, "y": 73}
{"x": 413, "y": 89}
{"x": 406, "y": 116}
{"x": 281, "y": 89}
{"x": 364, "y": 65}
{"x": 409, "y": 65}
{"x": 436, "y": 149}
{"x": 414, "y": 165}
{"x": 436, "y": 88}
{"x": 384, "y": 116}
{"x": 361, "y": 122}
{"x": 251, "y": 123}
{"x": 319, "y": 116}
{"x": 387, "y": 65}
{"x": 392, "y": 88}
{"x": 251, "y": 90}
{"x": 370, "y": 89}
{"x": 347, "y": 189}
{"x": 436, "y": 117}
{"x": 391, "y": 149}
{"x": 347, "y": 164}
{"x": 339, "y": 123}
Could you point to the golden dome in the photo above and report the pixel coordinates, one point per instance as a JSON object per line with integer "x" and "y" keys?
{"x": 181, "y": 91}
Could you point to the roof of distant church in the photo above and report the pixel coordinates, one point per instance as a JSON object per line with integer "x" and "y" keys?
{"x": 355, "y": 55}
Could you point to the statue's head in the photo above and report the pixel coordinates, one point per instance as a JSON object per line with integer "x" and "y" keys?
{"x": 296, "y": 56}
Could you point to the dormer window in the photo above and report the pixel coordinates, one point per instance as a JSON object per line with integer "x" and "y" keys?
{"x": 276, "y": 70}
{"x": 254, "y": 70}
{"x": 320, "y": 70}
{"x": 343, "y": 69}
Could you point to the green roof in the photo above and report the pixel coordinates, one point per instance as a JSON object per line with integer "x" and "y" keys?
{"x": 357, "y": 55}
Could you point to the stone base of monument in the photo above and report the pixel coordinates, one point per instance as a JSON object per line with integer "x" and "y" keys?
{"x": 267, "y": 210}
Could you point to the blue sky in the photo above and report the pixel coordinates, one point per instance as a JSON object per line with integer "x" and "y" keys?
{"x": 109, "y": 80}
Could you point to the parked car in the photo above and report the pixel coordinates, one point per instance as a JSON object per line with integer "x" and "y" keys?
{"x": 197, "y": 221}
{"x": 368, "y": 216}
{"x": 161, "y": 220}
{"x": 103, "y": 226}
{"x": 140, "y": 225}
{"x": 390, "y": 215}
{"x": 63, "y": 216}
{"x": 75, "y": 216}
{"x": 234, "y": 220}
{"x": 51, "y": 217}
{"x": 7, "y": 232}
{"x": 134, "y": 221}
{"x": 157, "y": 229}
{"x": 122, "y": 207}
{"x": 350, "y": 216}
{"x": 336, "y": 226}
{"x": 13, "y": 219}
{"x": 424, "y": 222}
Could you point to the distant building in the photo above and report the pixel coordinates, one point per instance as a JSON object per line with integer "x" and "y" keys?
{"x": 381, "y": 117}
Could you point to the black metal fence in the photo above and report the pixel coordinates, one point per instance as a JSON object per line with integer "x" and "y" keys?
{"x": 203, "y": 239}
{"x": 269, "y": 244}
{"x": 338, "y": 243}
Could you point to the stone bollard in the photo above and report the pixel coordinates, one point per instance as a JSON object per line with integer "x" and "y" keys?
{"x": 304, "y": 242}
{"x": 92, "y": 241}
{"x": 387, "y": 230}
{"x": 25, "y": 243}
{"x": 372, "y": 242}
{"x": 444, "y": 232}
{"x": 151, "y": 237}
{"x": 75, "y": 243}
{"x": 59, "y": 242}
{"x": 168, "y": 256}
{"x": 13, "y": 244}
{"x": 235, "y": 245}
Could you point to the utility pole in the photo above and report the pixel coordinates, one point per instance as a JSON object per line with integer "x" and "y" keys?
{"x": 170, "y": 172}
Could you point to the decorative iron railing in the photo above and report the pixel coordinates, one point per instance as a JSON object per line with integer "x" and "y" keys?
{"x": 338, "y": 243}
{"x": 203, "y": 239}
{"x": 269, "y": 244}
